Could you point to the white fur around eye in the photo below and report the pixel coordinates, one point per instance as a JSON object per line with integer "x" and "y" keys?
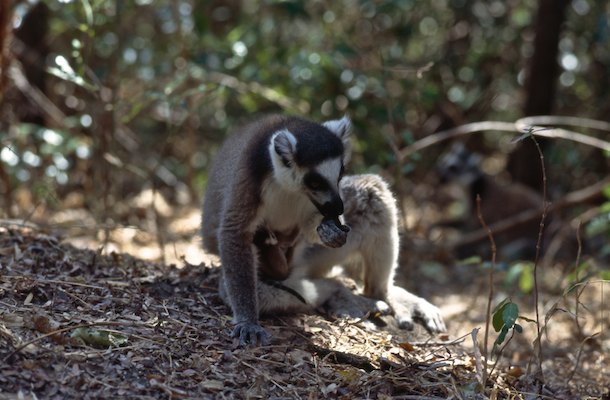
{"x": 330, "y": 170}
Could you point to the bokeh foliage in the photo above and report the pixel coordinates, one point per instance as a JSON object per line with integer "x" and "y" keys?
{"x": 141, "y": 92}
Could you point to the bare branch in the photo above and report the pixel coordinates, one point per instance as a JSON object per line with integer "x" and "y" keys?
{"x": 519, "y": 126}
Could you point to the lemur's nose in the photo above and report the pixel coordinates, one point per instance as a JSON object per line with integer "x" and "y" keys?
{"x": 332, "y": 208}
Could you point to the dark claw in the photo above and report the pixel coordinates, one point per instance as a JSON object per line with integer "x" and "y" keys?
{"x": 251, "y": 334}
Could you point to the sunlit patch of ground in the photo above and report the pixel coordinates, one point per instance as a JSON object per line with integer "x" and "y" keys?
{"x": 177, "y": 328}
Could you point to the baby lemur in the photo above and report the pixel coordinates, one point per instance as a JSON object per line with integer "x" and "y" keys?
{"x": 273, "y": 194}
{"x": 370, "y": 257}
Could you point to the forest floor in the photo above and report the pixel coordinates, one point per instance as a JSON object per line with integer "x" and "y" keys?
{"x": 82, "y": 320}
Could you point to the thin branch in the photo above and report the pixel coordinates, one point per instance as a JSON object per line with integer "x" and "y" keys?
{"x": 491, "y": 285}
{"x": 573, "y": 198}
{"x": 558, "y": 133}
{"x": 454, "y": 132}
{"x": 563, "y": 121}
{"x": 579, "y": 354}
{"x": 522, "y": 125}
{"x": 480, "y": 368}
{"x": 35, "y": 95}
{"x": 537, "y": 258}
{"x": 576, "y": 279}
{"x": 499, "y": 352}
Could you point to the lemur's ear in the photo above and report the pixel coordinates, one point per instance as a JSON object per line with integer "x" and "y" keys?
{"x": 285, "y": 146}
{"x": 343, "y": 129}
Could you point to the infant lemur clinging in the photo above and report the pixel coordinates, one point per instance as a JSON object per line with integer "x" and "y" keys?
{"x": 280, "y": 177}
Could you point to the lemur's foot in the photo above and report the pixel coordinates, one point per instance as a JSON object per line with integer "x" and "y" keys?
{"x": 409, "y": 309}
{"x": 346, "y": 304}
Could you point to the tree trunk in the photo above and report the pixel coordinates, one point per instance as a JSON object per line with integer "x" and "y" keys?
{"x": 540, "y": 85}
{"x": 6, "y": 14}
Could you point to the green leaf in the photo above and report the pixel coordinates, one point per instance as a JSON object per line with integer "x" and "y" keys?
{"x": 497, "y": 321}
{"x": 502, "y": 336}
{"x": 514, "y": 272}
{"x": 500, "y": 306}
{"x": 518, "y": 328}
{"x": 526, "y": 279}
{"x": 510, "y": 313}
{"x": 472, "y": 260}
{"x": 98, "y": 337}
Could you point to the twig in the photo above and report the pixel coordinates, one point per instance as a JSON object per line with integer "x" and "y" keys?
{"x": 340, "y": 357}
{"x": 499, "y": 352}
{"x": 580, "y": 348}
{"x": 601, "y": 309}
{"x": 34, "y": 94}
{"x": 525, "y": 124}
{"x": 491, "y": 286}
{"x": 454, "y": 132}
{"x": 265, "y": 92}
{"x": 480, "y": 368}
{"x": 55, "y": 281}
{"x": 169, "y": 390}
{"x": 573, "y": 198}
{"x": 432, "y": 344}
{"x": 563, "y": 121}
{"x": 266, "y": 375}
{"x": 537, "y": 258}
{"x": 75, "y": 297}
{"x": 577, "y": 293}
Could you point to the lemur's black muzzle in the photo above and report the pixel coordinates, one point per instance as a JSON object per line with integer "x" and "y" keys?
{"x": 332, "y": 208}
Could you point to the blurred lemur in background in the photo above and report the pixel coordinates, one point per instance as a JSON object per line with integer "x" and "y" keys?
{"x": 500, "y": 201}
{"x": 273, "y": 206}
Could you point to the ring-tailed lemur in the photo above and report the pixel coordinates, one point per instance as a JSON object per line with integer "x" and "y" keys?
{"x": 499, "y": 201}
{"x": 278, "y": 174}
{"x": 371, "y": 254}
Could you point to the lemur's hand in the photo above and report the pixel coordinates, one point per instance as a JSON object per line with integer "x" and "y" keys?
{"x": 250, "y": 333}
{"x": 332, "y": 232}
{"x": 409, "y": 308}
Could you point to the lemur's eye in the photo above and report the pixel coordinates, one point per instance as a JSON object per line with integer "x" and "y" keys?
{"x": 314, "y": 182}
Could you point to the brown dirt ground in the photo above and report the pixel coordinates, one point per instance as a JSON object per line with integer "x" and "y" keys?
{"x": 159, "y": 330}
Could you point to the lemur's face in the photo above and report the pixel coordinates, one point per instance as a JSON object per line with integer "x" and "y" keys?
{"x": 459, "y": 165}
{"x": 311, "y": 160}
{"x": 321, "y": 184}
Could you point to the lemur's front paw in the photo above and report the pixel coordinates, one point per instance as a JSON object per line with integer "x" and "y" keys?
{"x": 250, "y": 333}
{"x": 429, "y": 316}
{"x": 409, "y": 308}
{"x": 332, "y": 232}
